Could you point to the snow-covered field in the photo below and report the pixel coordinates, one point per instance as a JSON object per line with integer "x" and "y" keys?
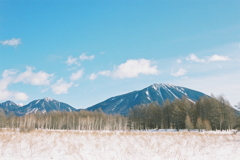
{"x": 93, "y": 145}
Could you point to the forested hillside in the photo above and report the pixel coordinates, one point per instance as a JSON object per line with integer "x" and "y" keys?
{"x": 208, "y": 113}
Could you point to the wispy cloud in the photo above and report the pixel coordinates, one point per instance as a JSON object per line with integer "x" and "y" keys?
{"x": 222, "y": 83}
{"x": 30, "y": 77}
{"x": 193, "y": 57}
{"x": 11, "y": 76}
{"x": 105, "y": 73}
{"x": 180, "y": 72}
{"x": 218, "y": 58}
{"x": 9, "y": 72}
{"x": 19, "y": 96}
{"x": 84, "y": 57}
{"x": 11, "y": 42}
{"x": 77, "y": 75}
{"x": 61, "y": 87}
{"x": 93, "y": 76}
{"x": 5, "y": 94}
{"x": 71, "y": 61}
{"x": 179, "y": 61}
{"x": 75, "y": 61}
{"x": 215, "y": 57}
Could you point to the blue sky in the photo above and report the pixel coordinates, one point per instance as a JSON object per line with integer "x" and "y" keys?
{"x": 83, "y": 52}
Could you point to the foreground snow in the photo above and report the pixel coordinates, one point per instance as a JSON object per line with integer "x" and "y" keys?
{"x": 89, "y": 145}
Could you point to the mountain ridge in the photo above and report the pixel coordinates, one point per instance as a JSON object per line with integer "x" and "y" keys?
{"x": 158, "y": 92}
{"x": 41, "y": 105}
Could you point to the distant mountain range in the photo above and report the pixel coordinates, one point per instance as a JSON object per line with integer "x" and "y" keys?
{"x": 115, "y": 105}
{"x": 41, "y": 105}
{"x": 155, "y": 93}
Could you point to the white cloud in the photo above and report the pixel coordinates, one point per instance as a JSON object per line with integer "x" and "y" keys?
{"x": 216, "y": 57}
{"x": 180, "y": 72}
{"x": 193, "y": 57}
{"x": 221, "y": 83}
{"x": 7, "y": 78}
{"x": 39, "y": 78}
{"x": 11, "y": 42}
{"x": 132, "y": 68}
{"x": 28, "y": 77}
{"x": 85, "y": 57}
{"x": 105, "y": 73}
{"x": 7, "y": 95}
{"x": 44, "y": 90}
{"x": 20, "y": 96}
{"x": 9, "y": 72}
{"x": 179, "y": 61}
{"x": 61, "y": 87}
{"x": 93, "y": 76}
{"x": 77, "y": 75}
{"x": 4, "y": 82}
{"x": 71, "y": 61}
{"x": 14, "y": 76}
{"x": 76, "y": 85}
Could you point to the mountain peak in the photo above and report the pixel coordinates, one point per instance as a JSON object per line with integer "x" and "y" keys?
{"x": 163, "y": 84}
{"x": 9, "y": 103}
{"x": 158, "y": 92}
{"x": 48, "y": 99}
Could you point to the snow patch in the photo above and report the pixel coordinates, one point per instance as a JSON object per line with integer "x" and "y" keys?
{"x": 48, "y": 99}
{"x": 34, "y": 110}
{"x": 180, "y": 90}
{"x": 191, "y": 101}
{"x": 136, "y": 96}
{"x": 43, "y": 105}
{"x": 157, "y": 87}
{"x": 147, "y": 93}
{"x": 107, "y": 145}
{"x": 20, "y": 104}
{"x": 168, "y": 90}
{"x": 117, "y": 104}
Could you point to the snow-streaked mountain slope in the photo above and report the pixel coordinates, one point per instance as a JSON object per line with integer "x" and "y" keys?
{"x": 155, "y": 93}
{"x": 9, "y": 106}
{"x": 41, "y": 105}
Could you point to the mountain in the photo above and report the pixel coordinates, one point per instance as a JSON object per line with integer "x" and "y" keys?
{"x": 9, "y": 106}
{"x": 155, "y": 93}
{"x": 41, "y": 105}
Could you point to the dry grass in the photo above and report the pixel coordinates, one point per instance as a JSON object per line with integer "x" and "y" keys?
{"x": 44, "y": 144}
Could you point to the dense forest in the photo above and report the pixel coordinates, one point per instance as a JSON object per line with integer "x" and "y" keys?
{"x": 209, "y": 113}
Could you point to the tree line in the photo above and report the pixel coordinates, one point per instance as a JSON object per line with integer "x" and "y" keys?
{"x": 83, "y": 120}
{"x": 209, "y": 113}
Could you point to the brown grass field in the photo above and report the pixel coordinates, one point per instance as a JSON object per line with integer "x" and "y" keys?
{"x": 88, "y": 145}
